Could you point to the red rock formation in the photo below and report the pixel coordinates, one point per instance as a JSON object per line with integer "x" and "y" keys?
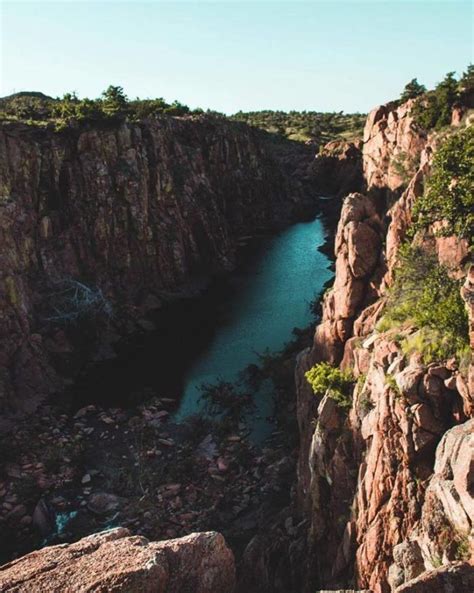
{"x": 357, "y": 248}
{"x": 392, "y": 146}
{"x": 133, "y": 211}
{"x": 116, "y": 561}
{"x": 458, "y": 577}
{"x": 379, "y": 501}
{"x": 337, "y": 168}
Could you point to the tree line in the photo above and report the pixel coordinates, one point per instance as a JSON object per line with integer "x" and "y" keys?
{"x": 433, "y": 109}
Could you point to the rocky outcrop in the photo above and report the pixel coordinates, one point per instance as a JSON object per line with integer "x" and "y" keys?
{"x": 337, "y": 168}
{"x": 387, "y": 485}
{"x": 358, "y": 248}
{"x": 467, "y": 293}
{"x": 458, "y": 577}
{"x": 100, "y": 225}
{"x": 116, "y": 561}
{"x": 392, "y": 147}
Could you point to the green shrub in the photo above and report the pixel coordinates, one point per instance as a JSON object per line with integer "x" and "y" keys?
{"x": 113, "y": 105}
{"x": 391, "y": 382}
{"x": 324, "y": 378}
{"x": 435, "y": 346}
{"x": 449, "y": 196}
{"x": 466, "y": 85}
{"x": 412, "y": 90}
{"x": 405, "y": 165}
{"x": 424, "y": 295}
{"x": 433, "y": 109}
{"x": 303, "y": 126}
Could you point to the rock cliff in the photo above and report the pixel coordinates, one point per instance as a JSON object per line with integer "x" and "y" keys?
{"x": 387, "y": 487}
{"x": 117, "y": 561}
{"x": 98, "y": 226}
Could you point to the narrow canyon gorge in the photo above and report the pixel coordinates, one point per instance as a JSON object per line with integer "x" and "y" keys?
{"x": 104, "y": 232}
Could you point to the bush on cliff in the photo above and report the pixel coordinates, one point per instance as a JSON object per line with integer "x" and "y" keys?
{"x": 449, "y": 196}
{"x": 425, "y": 296}
{"x": 433, "y": 109}
{"x": 38, "y": 109}
{"x": 412, "y": 90}
{"x": 326, "y": 379}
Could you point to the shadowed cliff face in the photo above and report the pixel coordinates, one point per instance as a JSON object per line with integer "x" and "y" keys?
{"x": 132, "y": 212}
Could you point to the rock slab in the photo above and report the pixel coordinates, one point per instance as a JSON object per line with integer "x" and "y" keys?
{"x": 115, "y": 561}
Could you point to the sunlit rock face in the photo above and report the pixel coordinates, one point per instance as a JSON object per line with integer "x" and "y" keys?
{"x": 117, "y": 561}
{"x": 384, "y": 484}
{"x": 392, "y": 146}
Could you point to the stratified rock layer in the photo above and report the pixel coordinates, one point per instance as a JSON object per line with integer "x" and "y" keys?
{"x": 132, "y": 212}
{"x": 116, "y": 561}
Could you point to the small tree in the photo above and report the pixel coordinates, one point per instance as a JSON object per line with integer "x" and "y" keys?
{"x": 433, "y": 110}
{"x": 466, "y": 85}
{"x": 337, "y": 384}
{"x": 447, "y": 93}
{"x": 412, "y": 90}
{"x": 114, "y": 101}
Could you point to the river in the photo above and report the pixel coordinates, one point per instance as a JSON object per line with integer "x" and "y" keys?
{"x": 215, "y": 336}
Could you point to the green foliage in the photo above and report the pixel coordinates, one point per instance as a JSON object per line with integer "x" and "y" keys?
{"x": 225, "y": 401}
{"x": 424, "y": 295}
{"x": 114, "y": 101}
{"x": 113, "y": 105}
{"x": 449, "y": 196}
{"x": 391, "y": 382}
{"x": 324, "y": 378}
{"x": 405, "y": 165}
{"x": 434, "y": 346}
{"x": 303, "y": 126}
{"x": 433, "y": 109}
{"x": 412, "y": 90}
{"x": 463, "y": 549}
{"x": 466, "y": 84}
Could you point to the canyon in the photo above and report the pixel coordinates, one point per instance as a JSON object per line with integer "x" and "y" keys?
{"x": 128, "y": 218}
{"x": 138, "y": 213}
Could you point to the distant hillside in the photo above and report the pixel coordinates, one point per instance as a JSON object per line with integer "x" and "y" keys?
{"x": 36, "y": 108}
{"x": 25, "y": 95}
{"x": 306, "y": 126}
{"x": 26, "y": 105}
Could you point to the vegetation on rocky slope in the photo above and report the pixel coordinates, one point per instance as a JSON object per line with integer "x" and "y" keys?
{"x": 38, "y": 109}
{"x": 432, "y": 109}
{"x": 304, "y": 126}
{"x": 425, "y": 296}
{"x": 327, "y": 379}
{"x": 449, "y": 196}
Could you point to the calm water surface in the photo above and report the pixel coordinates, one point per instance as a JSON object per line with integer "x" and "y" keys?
{"x": 270, "y": 297}
{"x": 215, "y": 336}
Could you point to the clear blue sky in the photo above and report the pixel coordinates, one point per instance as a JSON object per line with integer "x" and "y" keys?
{"x": 228, "y": 56}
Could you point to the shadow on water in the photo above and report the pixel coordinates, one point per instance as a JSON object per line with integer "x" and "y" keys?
{"x": 218, "y": 334}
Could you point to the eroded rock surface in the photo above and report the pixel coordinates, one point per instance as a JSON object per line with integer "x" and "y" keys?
{"x": 456, "y": 578}
{"x": 386, "y": 486}
{"x": 102, "y": 224}
{"x": 337, "y": 168}
{"x": 116, "y": 561}
{"x": 358, "y": 247}
{"x": 392, "y": 146}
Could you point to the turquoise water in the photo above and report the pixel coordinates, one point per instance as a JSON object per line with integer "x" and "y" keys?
{"x": 269, "y": 298}
{"x": 216, "y": 335}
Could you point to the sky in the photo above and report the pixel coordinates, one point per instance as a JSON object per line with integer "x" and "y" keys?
{"x": 230, "y": 56}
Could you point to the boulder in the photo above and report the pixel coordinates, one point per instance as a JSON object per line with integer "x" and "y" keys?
{"x": 455, "y": 578}
{"x": 114, "y": 560}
